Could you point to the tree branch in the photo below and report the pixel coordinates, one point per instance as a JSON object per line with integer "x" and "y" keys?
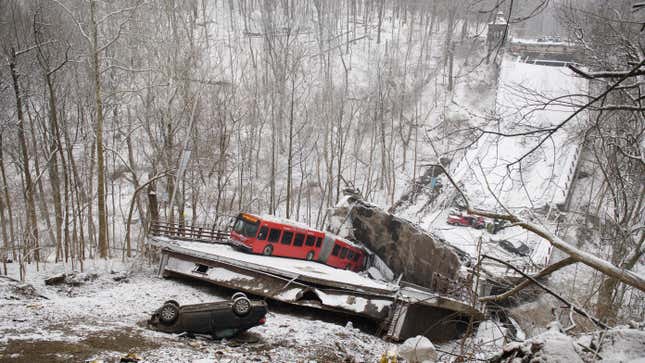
{"x": 525, "y": 283}
{"x": 551, "y": 292}
{"x": 605, "y": 74}
{"x": 629, "y": 74}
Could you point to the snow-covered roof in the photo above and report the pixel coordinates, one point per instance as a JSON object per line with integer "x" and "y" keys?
{"x": 290, "y": 222}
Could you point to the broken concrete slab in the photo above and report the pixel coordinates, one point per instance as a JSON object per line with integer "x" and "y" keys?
{"x": 404, "y": 311}
{"x": 407, "y": 249}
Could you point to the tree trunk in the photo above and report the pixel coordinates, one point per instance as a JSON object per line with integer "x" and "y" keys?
{"x": 55, "y": 147}
{"x": 290, "y": 151}
{"x": 380, "y": 21}
{"x": 31, "y": 225}
{"x": 7, "y": 199}
{"x": 102, "y": 211}
{"x": 42, "y": 202}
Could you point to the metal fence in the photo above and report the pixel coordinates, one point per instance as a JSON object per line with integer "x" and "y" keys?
{"x": 188, "y": 232}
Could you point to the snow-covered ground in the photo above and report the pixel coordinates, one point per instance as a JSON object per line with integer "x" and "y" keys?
{"x": 102, "y": 318}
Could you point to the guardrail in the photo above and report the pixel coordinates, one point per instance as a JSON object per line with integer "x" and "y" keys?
{"x": 188, "y": 232}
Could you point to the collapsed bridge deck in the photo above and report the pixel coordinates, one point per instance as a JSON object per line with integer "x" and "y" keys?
{"x": 403, "y": 310}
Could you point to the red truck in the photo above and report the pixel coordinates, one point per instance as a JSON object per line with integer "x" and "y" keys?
{"x": 466, "y": 221}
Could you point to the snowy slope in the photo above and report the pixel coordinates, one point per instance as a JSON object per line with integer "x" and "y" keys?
{"x": 540, "y": 181}
{"x": 103, "y": 319}
{"x": 543, "y": 177}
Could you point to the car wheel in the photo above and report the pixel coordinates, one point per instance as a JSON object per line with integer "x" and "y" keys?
{"x": 310, "y": 256}
{"x": 174, "y": 302}
{"x": 238, "y": 294}
{"x": 268, "y": 250}
{"x": 241, "y": 306}
{"x": 169, "y": 313}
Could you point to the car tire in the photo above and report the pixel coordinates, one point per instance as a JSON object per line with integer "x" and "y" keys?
{"x": 174, "y": 302}
{"x": 268, "y": 250}
{"x": 238, "y": 294}
{"x": 169, "y": 313}
{"x": 310, "y": 256}
{"x": 242, "y": 306}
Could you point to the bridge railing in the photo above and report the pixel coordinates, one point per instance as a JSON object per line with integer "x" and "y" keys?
{"x": 188, "y": 232}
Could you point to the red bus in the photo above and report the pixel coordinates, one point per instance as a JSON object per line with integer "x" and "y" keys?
{"x": 274, "y": 236}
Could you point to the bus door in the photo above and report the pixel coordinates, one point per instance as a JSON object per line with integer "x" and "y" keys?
{"x": 325, "y": 250}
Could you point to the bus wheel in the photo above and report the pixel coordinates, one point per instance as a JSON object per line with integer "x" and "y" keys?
{"x": 268, "y": 250}
{"x": 348, "y": 267}
{"x": 310, "y": 256}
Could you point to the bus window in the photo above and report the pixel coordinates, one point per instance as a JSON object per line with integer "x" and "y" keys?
{"x": 286, "y": 238}
{"x": 319, "y": 242}
{"x": 356, "y": 256}
{"x": 274, "y": 235}
{"x": 246, "y": 228}
{"x": 350, "y": 255}
{"x": 335, "y": 250}
{"x": 263, "y": 233}
{"x": 300, "y": 238}
{"x": 310, "y": 241}
{"x": 343, "y": 252}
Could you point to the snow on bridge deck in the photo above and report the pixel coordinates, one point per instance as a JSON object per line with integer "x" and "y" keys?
{"x": 542, "y": 178}
{"x": 521, "y": 174}
{"x": 541, "y": 181}
{"x": 290, "y": 268}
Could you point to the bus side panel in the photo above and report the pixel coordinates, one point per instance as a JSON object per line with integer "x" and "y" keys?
{"x": 258, "y": 246}
{"x": 337, "y": 262}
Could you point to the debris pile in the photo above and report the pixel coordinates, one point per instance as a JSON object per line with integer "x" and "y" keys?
{"x": 71, "y": 279}
{"x": 11, "y": 289}
{"x": 619, "y": 344}
{"x": 76, "y": 279}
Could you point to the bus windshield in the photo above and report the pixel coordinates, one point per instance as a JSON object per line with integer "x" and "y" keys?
{"x": 246, "y": 228}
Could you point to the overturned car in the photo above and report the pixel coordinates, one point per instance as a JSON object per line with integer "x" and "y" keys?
{"x": 220, "y": 319}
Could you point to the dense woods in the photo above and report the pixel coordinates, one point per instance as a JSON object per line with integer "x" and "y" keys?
{"x": 249, "y": 105}
{"x": 276, "y": 107}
